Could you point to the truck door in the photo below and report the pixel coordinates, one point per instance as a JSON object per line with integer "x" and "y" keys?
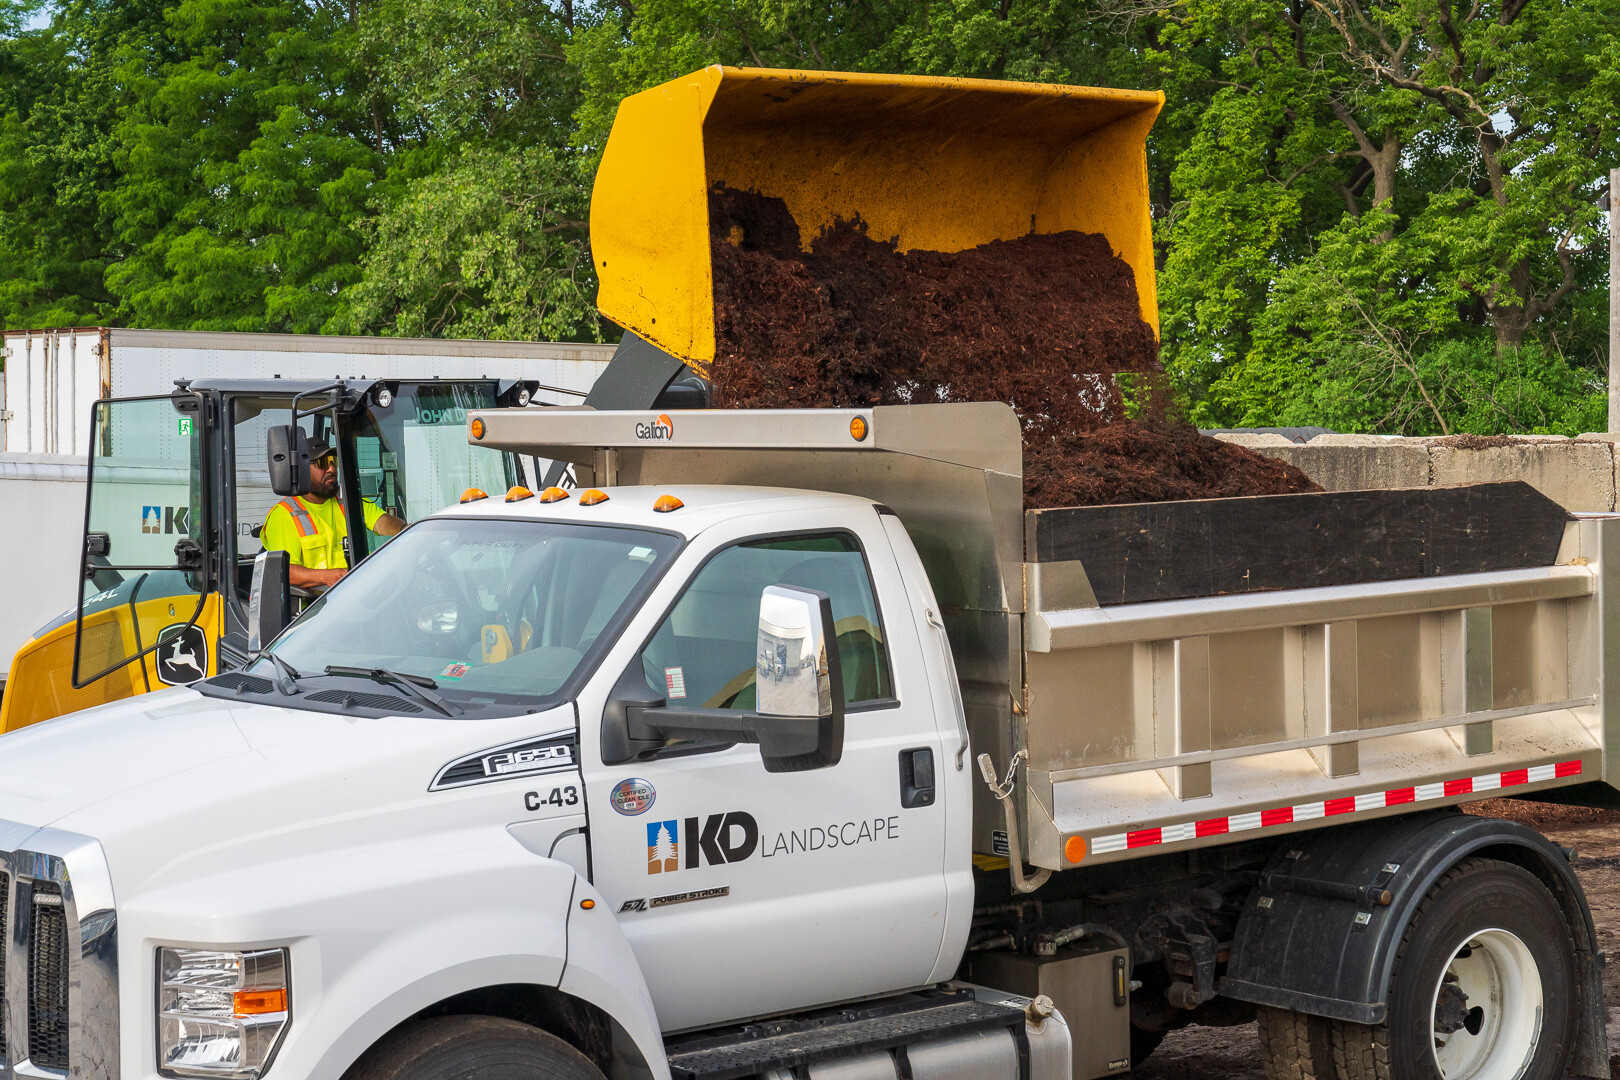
{"x": 744, "y": 892}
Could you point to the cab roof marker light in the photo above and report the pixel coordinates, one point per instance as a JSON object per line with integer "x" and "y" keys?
{"x": 553, "y": 494}
{"x": 473, "y": 495}
{"x": 517, "y": 493}
{"x": 592, "y": 497}
{"x": 666, "y": 503}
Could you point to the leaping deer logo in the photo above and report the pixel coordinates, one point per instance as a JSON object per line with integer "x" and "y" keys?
{"x": 188, "y": 658}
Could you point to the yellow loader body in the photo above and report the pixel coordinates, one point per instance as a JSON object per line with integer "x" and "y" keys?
{"x": 937, "y": 164}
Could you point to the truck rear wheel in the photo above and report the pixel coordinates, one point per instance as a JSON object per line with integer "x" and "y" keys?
{"x": 1483, "y": 986}
{"x": 1294, "y": 1046}
{"x": 473, "y": 1048}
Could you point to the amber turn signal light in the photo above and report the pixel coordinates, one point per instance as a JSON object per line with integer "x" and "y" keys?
{"x": 259, "y": 1002}
{"x": 592, "y": 497}
{"x": 553, "y": 494}
{"x": 477, "y": 427}
{"x": 666, "y": 503}
{"x": 1074, "y": 848}
{"x": 517, "y": 493}
{"x": 473, "y": 495}
{"x": 587, "y": 904}
{"x": 857, "y": 428}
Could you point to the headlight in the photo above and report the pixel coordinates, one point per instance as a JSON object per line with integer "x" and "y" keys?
{"x": 220, "y": 1013}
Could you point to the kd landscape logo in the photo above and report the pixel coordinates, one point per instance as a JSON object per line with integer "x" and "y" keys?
{"x": 166, "y": 519}
{"x": 662, "y": 429}
{"x": 716, "y": 840}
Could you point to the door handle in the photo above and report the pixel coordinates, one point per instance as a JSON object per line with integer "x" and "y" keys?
{"x": 917, "y": 777}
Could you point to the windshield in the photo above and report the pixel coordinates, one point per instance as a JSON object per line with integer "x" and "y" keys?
{"x": 496, "y": 613}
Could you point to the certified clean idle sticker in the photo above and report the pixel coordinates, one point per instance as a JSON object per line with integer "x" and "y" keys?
{"x": 632, "y": 797}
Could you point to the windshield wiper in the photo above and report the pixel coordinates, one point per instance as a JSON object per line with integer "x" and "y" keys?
{"x": 419, "y": 686}
{"x": 286, "y": 674}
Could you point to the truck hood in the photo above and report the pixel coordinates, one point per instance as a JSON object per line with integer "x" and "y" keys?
{"x": 175, "y": 774}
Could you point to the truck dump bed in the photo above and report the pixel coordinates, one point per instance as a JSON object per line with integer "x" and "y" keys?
{"x": 1180, "y": 674}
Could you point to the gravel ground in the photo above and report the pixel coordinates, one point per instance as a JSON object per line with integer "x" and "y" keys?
{"x": 1234, "y": 1053}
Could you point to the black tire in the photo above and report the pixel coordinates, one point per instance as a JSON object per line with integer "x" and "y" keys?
{"x": 1294, "y": 1046}
{"x": 473, "y": 1048}
{"x": 1482, "y": 916}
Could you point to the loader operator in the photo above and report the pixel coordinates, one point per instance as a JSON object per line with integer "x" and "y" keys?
{"x": 311, "y": 528}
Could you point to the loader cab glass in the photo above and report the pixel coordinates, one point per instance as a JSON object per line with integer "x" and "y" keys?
{"x": 404, "y": 451}
{"x": 145, "y": 562}
{"x": 500, "y": 616}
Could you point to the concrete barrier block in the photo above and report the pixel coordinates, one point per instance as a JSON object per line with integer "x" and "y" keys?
{"x": 1576, "y": 474}
{"x": 1254, "y": 440}
{"x": 1358, "y": 466}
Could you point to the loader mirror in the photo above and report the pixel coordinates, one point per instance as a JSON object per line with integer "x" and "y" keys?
{"x": 270, "y": 602}
{"x": 288, "y": 453}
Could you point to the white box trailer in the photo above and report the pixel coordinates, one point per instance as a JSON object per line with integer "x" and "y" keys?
{"x": 53, "y": 377}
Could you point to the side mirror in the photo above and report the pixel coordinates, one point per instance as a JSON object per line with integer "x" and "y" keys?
{"x": 799, "y": 690}
{"x": 798, "y": 682}
{"x": 270, "y": 601}
{"x": 288, "y": 452}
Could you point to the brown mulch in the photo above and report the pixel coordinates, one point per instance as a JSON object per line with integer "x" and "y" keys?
{"x": 1475, "y": 442}
{"x": 1049, "y": 323}
{"x": 1542, "y": 815}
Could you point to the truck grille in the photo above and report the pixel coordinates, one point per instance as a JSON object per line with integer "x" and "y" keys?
{"x": 58, "y": 959}
{"x": 5, "y": 907}
{"x": 48, "y": 982}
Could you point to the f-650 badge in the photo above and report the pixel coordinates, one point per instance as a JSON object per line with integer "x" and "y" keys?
{"x": 551, "y": 754}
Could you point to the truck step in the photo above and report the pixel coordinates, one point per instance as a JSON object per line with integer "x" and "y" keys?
{"x": 838, "y": 1033}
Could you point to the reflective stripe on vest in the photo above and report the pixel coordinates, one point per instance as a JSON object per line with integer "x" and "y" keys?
{"x": 301, "y": 519}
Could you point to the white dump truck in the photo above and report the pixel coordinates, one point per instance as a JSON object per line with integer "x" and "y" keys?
{"x": 840, "y": 765}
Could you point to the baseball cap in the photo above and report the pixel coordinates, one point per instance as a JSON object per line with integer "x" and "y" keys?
{"x": 318, "y": 449}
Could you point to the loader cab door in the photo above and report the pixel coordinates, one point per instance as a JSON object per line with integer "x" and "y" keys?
{"x": 148, "y": 552}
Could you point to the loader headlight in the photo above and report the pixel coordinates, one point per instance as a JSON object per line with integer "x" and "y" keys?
{"x": 220, "y": 1013}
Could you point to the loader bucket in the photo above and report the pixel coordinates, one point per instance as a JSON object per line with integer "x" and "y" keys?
{"x": 938, "y": 164}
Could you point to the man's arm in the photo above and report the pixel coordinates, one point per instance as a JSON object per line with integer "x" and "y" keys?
{"x": 302, "y": 577}
{"x": 387, "y": 525}
{"x": 280, "y": 534}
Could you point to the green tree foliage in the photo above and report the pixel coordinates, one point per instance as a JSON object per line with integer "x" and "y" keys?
{"x": 1380, "y": 178}
{"x": 1371, "y": 214}
{"x": 483, "y": 231}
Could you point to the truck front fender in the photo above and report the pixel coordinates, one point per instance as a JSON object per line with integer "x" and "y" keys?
{"x": 590, "y": 961}
{"x": 1316, "y": 935}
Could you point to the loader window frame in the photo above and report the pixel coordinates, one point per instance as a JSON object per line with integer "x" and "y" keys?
{"x": 197, "y": 578}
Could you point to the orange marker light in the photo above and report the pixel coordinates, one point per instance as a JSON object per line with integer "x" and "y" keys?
{"x": 258, "y": 1002}
{"x": 553, "y": 494}
{"x": 1074, "y": 849}
{"x": 592, "y": 497}
{"x": 477, "y": 427}
{"x": 666, "y": 503}
{"x": 473, "y": 495}
{"x": 857, "y": 428}
{"x": 587, "y": 904}
{"x": 517, "y": 493}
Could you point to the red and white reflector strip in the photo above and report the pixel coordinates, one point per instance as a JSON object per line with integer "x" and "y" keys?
{"x": 1349, "y": 804}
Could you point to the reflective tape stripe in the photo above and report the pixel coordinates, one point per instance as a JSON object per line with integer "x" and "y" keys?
{"x": 1340, "y": 806}
{"x": 301, "y": 519}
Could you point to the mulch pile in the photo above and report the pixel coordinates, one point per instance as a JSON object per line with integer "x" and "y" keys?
{"x": 1048, "y": 323}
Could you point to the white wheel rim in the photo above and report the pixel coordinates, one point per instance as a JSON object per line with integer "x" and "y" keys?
{"x": 1499, "y": 975}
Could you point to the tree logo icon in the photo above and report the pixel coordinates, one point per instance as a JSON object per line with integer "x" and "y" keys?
{"x": 663, "y": 849}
